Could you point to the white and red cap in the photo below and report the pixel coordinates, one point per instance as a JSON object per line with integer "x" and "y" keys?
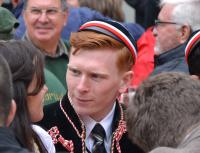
{"x": 115, "y": 30}
{"x": 192, "y": 42}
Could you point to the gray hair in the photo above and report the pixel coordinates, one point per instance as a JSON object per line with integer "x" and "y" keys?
{"x": 63, "y": 4}
{"x": 185, "y": 12}
{"x": 164, "y": 108}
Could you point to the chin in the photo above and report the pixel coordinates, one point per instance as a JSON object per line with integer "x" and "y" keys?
{"x": 82, "y": 111}
{"x": 37, "y": 118}
{"x": 44, "y": 39}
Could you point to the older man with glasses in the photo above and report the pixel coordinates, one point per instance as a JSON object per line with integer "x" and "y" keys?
{"x": 44, "y": 21}
{"x": 176, "y": 21}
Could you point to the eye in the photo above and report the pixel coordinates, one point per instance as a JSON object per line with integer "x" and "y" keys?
{"x": 35, "y": 11}
{"x": 52, "y": 11}
{"x": 97, "y": 77}
{"x": 74, "y": 72}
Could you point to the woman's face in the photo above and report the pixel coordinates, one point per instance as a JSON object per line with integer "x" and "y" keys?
{"x": 35, "y": 103}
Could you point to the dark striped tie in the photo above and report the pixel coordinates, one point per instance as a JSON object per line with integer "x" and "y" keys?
{"x": 98, "y": 135}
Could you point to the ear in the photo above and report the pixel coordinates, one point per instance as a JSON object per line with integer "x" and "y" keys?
{"x": 195, "y": 77}
{"x": 184, "y": 33}
{"x": 126, "y": 80}
{"x": 11, "y": 114}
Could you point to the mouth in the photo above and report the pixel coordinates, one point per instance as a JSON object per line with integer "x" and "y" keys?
{"x": 44, "y": 28}
{"x": 83, "y": 100}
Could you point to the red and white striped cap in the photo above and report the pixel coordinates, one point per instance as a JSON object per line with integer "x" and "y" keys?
{"x": 192, "y": 41}
{"x": 115, "y": 30}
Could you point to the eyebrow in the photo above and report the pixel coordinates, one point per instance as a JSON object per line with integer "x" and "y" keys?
{"x": 51, "y": 7}
{"x": 92, "y": 72}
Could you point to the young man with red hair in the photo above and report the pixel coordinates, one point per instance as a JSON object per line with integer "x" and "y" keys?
{"x": 89, "y": 117}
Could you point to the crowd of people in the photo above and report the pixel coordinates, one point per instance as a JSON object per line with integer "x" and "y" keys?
{"x": 76, "y": 78}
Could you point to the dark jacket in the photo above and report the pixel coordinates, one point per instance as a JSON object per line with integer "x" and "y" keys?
{"x": 54, "y": 116}
{"x": 173, "y": 60}
{"x": 8, "y": 142}
{"x": 18, "y": 9}
{"x": 146, "y": 11}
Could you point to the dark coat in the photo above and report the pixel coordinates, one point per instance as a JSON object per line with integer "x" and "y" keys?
{"x": 146, "y": 11}
{"x": 171, "y": 61}
{"x": 54, "y": 116}
{"x": 8, "y": 142}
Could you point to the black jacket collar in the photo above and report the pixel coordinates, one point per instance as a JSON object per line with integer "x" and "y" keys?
{"x": 171, "y": 54}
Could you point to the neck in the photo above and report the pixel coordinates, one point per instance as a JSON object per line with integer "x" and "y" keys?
{"x": 48, "y": 47}
{"x": 110, "y": 112}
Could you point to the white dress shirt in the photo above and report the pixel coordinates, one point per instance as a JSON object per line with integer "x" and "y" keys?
{"x": 106, "y": 123}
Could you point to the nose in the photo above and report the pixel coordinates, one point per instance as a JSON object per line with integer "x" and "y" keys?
{"x": 45, "y": 88}
{"x": 155, "y": 31}
{"x": 43, "y": 17}
{"x": 83, "y": 84}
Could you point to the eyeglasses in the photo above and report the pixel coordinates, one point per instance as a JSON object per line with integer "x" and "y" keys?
{"x": 50, "y": 12}
{"x": 159, "y": 22}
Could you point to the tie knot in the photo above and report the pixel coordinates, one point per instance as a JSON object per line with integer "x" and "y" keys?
{"x": 98, "y": 132}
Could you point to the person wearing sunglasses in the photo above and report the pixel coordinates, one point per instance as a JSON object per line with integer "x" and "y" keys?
{"x": 176, "y": 21}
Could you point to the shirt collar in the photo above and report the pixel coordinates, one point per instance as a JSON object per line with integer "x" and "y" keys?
{"x": 106, "y": 123}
